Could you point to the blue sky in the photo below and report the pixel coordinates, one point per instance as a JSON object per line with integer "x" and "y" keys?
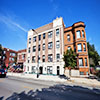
{"x": 19, "y": 16}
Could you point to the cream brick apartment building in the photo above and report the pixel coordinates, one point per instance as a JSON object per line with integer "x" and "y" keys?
{"x": 46, "y": 45}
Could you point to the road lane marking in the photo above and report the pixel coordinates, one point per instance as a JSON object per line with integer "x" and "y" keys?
{"x": 27, "y": 87}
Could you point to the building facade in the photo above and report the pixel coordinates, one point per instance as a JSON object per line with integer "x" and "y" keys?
{"x": 75, "y": 38}
{"x": 21, "y": 57}
{"x": 45, "y": 49}
{"x": 11, "y": 56}
{"x": 46, "y": 46}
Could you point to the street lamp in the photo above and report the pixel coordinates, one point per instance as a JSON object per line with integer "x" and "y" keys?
{"x": 37, "y": 54}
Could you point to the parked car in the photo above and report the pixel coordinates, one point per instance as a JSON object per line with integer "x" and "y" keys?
{"x": 3, "y": 72}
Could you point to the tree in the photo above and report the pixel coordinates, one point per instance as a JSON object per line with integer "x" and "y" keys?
{"x": 70, "y": 59}
{"x": 2, "y": 56}
{"x": 93, "y": 54}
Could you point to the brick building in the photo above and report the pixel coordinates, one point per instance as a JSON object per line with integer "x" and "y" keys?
{"x": 46, "y": 46}
{"x": 11, "y": 56}
{"x": 21, "y": 57}
{"x": 75, "y": 38}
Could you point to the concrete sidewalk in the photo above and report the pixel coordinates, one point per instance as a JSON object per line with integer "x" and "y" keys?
{"x": 81, "y": 81}
{"x": 90, "y": 82}
{"x": 41, "y": 77}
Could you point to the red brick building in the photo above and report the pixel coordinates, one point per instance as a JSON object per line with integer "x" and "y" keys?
{"x": 21, "y": 57}
{"x": 11, "y": 56}
{"x": 75, "y": 38}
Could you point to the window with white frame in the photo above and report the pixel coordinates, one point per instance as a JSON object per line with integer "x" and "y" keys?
{"x": 84, "y": 46}
{"x": 43, "y": 35}
{"x": 81, "y": 73}
{"x": 43, "y": 58}
{"x": 43, "y": 47}
{"x": 34, "y": 39}
{"x": 80, "y": 47}
{"x": 68, "y": 37}
{"x": 80, "y": 62}
{"x": 57, "y": 32}
{"x": 33, "y": 59}
{"x": 50, "y": 59}
{"x": 39, "y": 37}
{"x": 78, "y": 34}
{"x": 50, "y": 34}
{"x": 85, "y": 61}
{"x": 4, "y": 52}
{"x": 33, "y": 69}
{"x": 69, "y": 48}
{"x": 27, "y": 68}
{"x": 38, "y": 47}
{"x": 23, "y": 56}
{"x": 57, "y": 44}
{"x": 58, "y": 56}
{"x": 82, "y": 33}
{"x": 49, "y": 69}
{"x": 29, "y": 40}
{"x": 29, "y": 50}
{"x": 34, "y": 48}
{"x": 28, "y": 60}
{"x": 50, "y": 45}
{"x": 12, "y": 59}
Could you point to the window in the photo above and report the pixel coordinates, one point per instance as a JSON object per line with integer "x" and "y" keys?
{"x": 80, "y": 62}
{"x": 50, "y": 34}
{"x": 28, "y": 59}
{"x": 50, "y": 45}
{"x": 29, "y": 40}
{"x": 39, "y": 37}
{"x": 33, "y": 59}
{"x": 43, "y": 58}
{"x": 43, "y": 35}
{"x": 50, "y": 59}
{"x": 34, "y": 39}
{"x": 57, "y": 32}
{"x": 57, "y": 44}
{"x": 38, "y": 47}
{"x": 29, "y": 50}
{"x": 58, "y": 56}
{"x": 78, "y": 34}
{"x": 38, "y": 58}
{"x": 33, "y": 69}
{"x": 82, "y": 33}
{"x": 23, "y": 56}
{"x": 12, "y": 59}
{"x": 81, "y": 73}
{"x": 34, "y": 48}
{"x": 4, "y": 52}
{"x": 9, "y": 59}
{"x": 43, "y": 47}
{"x": 49, "y": 69}
{"x": 68, "y": 37}
{"x": 84, "y": 46}
{"x": 79, "y": 47}
{"x": 85, "y": 61}
{"x": 69, "y": 48}
{"x": 27, "y": 68}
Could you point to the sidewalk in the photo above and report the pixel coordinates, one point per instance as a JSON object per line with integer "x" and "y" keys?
{"x": 41, "y": 77}
{"x": 90, "y": 82}
{"x": 81, "y": 81}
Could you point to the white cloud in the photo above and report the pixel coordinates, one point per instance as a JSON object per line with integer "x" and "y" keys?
{"x": 10, "y": 23}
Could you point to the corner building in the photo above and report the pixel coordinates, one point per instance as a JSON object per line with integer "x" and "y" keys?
{"x": 46, "y": 45}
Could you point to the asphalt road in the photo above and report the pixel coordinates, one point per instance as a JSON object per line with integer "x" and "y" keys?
{"x": 13, "y": 88}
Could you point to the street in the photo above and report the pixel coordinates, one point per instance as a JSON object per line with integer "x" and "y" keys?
{"x": 13, "y": 88}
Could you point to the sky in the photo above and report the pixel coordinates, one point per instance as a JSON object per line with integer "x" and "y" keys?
{"x": 17, "y": 17}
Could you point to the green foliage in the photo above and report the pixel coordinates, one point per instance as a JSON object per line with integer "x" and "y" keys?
{"x": 70, "y": 59}
{"x": 93, "y": 54}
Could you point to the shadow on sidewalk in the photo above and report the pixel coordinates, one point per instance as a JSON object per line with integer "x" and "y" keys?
{"x": 58, "y": 92}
